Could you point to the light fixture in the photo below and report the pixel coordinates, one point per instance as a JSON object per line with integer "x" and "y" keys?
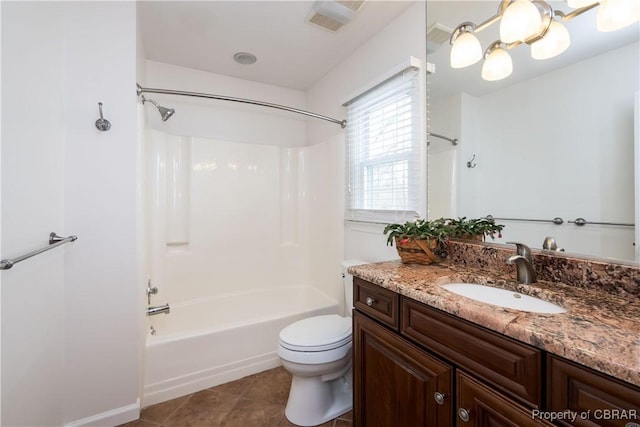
{"x": 497, "y": 62}
{"x": 520, "y": 21}
{"x": 465, "y": 49}
{"x": 532, "y": 22}
{"x": 616, "y": 14}
{"x": 555, "y": 41}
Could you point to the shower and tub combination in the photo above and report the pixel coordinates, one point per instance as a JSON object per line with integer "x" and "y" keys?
{"x": 228, "y": 250}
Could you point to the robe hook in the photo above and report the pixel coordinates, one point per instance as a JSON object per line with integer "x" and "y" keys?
{"x": 470, "y": 163}
{"x": 102, "y": 124}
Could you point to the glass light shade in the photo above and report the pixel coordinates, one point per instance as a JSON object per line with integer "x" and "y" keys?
{"x": 497, "y": 65}
{"x": 466, "y": 50}
{"x": 520, "y": 21}
{"x": 616, "y": 14}
{"x": 577, "y": 4}
{"x": 553, "y": 43}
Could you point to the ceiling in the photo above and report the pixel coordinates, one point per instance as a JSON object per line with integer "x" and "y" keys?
{"x": 586, "y": 41}
{"x": 291, "y": 53}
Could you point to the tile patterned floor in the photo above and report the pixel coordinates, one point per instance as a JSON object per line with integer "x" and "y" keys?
{"x": 254, "y": 401}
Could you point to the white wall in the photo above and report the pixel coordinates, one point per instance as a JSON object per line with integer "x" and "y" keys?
{"x": 558, "y": 145}
{"x": 402, "y": 38}
{"x": 70, "y": 316}
{"x": 32, "y": 207}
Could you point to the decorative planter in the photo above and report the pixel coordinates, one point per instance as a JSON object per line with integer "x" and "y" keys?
{"x": 417, "y": 251}
{"x": 474, "y": 237}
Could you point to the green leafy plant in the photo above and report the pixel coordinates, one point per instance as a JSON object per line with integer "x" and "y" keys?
{"x": 463, "y": 227}
{"x": 442, "y": 229}
{"x": 420, "y": 229}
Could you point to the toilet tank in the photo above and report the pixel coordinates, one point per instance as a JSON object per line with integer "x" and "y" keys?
{"x": 347, "y": 281}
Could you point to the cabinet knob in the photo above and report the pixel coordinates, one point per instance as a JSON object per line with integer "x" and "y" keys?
{"x": 439, "y": 397}
{"x": 370, "y": 301}
{"x": 464, "y": 414}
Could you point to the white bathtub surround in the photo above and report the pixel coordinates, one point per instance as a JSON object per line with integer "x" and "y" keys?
{"x": 178, "y": 189}
{"x": 245, "y": 272}
{"x": 210, "y": 341}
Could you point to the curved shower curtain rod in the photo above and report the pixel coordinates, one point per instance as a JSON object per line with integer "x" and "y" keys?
{"x": 453, "y": 141}
{"x": 140, "y": 90}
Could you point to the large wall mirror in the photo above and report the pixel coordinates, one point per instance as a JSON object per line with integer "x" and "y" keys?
{"x": 555, "y": 139}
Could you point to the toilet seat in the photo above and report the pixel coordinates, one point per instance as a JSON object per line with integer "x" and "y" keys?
{"x": 319, "y": 333}
{"x": 320, "y": 339}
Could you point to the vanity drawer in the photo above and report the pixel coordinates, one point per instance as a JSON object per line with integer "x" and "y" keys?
{"x": 512, "y": 367}
{"x": 379, "y": 303}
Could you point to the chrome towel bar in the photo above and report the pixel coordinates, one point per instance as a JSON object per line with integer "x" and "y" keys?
{"x": 557, "y": 220}
{"x": 581, "y": 221}
{"x": 54, "y": 242}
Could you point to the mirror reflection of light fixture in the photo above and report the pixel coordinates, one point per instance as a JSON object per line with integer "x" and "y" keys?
{"x": 497, "y": 63}
{"x": 520, "y": 21}
{"x": 465, "y": 49}
{"x": 554, "y": 42}
{"x": 532, "y": 22}
{"x": 616, "y": 14}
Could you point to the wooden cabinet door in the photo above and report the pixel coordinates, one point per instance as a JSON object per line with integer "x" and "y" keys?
{"x": 479, "y": 406}
{"x": 597, "y": 399}
{"x": 396, "y": 383}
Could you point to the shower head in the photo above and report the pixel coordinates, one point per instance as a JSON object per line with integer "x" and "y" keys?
{"x": 165, "y": 113}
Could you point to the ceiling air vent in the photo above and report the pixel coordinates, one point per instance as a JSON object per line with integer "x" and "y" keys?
{"x": 437, "y": 35}
{"x": 332, "y": 15}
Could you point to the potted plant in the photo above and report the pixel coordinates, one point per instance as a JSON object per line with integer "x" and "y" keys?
{"x": 420, "y": 241}
{"x": 417, "y": 241}
{"x": 473, "y": 229}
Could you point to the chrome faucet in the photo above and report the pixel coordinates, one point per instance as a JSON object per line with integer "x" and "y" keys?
{"x": 150, "y": 291}
{"x": 524, "y": 263}
{"x": 551, "y": 245}
{"x": 152, "y": 311}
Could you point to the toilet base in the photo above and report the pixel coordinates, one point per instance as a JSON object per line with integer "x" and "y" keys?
{"x": 313, "y": 401}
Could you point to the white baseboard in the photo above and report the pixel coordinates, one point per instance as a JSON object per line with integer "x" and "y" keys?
{"x": 110, "y": 418}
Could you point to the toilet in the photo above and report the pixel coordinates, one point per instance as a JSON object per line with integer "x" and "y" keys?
{"x": 317, "y": 353}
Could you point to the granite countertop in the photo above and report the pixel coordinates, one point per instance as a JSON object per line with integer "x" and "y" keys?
{"x": 599, "y": 330}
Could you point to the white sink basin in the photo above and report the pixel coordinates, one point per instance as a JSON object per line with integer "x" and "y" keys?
{"x": 503, "y": 298}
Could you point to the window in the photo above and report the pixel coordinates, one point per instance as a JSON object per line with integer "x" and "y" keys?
{"x": 386, "y": 159}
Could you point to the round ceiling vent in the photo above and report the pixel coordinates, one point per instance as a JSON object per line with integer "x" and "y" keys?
{"x": 244, "y": 58}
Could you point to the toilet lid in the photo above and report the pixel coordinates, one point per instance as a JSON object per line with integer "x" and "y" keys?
{"x": 317, "y": 333}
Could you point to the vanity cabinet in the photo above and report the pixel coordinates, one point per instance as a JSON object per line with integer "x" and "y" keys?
{"x": 509, "y": 365}
{"x": 481, "y": 406}
{"x": 428, "y": 368}
{"x": 598, "y": 400}
{"x": 397, "y": 383}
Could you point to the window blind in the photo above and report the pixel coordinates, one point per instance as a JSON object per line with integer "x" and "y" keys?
{"x": 384, "y": 152}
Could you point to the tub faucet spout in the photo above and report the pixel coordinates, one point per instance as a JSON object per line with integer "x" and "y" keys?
{"x": 152, "y": 311}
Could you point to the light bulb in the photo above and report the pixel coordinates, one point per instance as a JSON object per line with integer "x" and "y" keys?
{"x": 520, "y": 21}
{"x": 466, "y": 50}
{"x": 497, "y": 65}
{"x": 616, "y": 14}
{"x": 554, "y": 42}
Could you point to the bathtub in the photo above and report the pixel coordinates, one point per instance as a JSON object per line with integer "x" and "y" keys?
{"x": 206, "y": 342}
